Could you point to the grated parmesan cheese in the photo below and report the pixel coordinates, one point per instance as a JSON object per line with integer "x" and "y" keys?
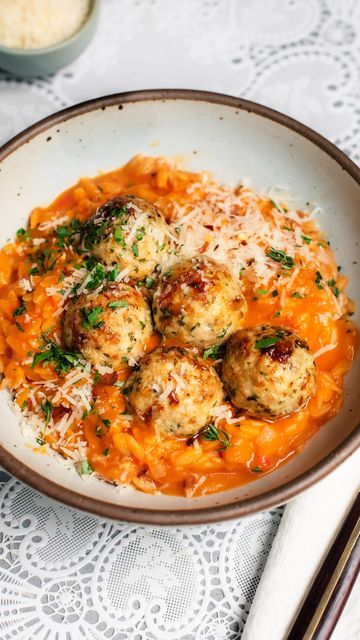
{"x": 322, "y": 350}
{"x": 35, "y": 24}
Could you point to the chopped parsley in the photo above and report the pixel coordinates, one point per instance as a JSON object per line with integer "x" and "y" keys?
{"x": 113, "y": 274}
{"x": 266, "y": 342}
{"x": 135, "y": 250}
{"x": 335, "y": 289}
{"x": 275, "y": 204}
{"x": 115, "y": 304}
{"x": 19, "y": 327}
{"x": 318, "y": 278}
{"x": 46, "y": 407}
{"x": 90, "y": 263}
{"x": 90, "y": 318}
{"x": 46, "y": 259}
{"x": 149, "y": 282}
{"x": 22, "y": 234}
{"x": 97, "y": 276}
{"x": 19, "y": 310}
{"x": 213, "y": 352}
{"x": 85, "y": 468}
{"x": 140, "y": 233}
{"x": 223, "y": 333}
{"x": 95, "y": 232}
{"x": 307, "y": 239}
{"x": 40, "y": 441}
{"x": 262, "y": 292}
{"x": 256, "y": 470}
{"x": 119, "y": 237}
{"x": 287, "y": 262}
{"x": 62, "y": 233}
{"x": 275, "y": 293}
{"x": 106, "y": 452}
{"x": 62, "y": 360}
{"x": 212, "y": 432}
{"x": 296, "y": 294}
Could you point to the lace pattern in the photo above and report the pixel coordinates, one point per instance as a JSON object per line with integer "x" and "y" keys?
{"x": 65, "y": 575}
{"x": 62, "y": 571}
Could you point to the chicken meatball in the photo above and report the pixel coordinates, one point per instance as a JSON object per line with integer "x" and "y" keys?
{"x": 268, "y": 371}
{"x": 199, "y": 302}
{"x": 128, "y": 232}
{"x": 175, "y": 391}
{"x": 109, "y": 328}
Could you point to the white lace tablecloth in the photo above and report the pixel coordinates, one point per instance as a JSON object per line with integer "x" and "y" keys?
{"x": 68, "y": 576}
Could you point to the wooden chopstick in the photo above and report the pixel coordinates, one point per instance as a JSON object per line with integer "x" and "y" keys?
{"x": 327, "y": 596}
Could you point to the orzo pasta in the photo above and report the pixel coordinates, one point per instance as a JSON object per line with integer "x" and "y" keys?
{"x": 187, "y": 393}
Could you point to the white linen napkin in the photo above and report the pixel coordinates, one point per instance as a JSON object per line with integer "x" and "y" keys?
{"x": 309, "y": 524}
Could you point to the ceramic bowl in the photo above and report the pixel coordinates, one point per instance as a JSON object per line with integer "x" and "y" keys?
{"x": 40, "y": 62}
{"x": 232, "y": 138}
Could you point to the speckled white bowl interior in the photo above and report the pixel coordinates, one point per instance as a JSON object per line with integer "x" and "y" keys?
{"x": 231, "y": 140}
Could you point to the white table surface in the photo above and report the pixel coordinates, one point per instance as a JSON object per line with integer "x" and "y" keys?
{"x": 65, "y": 575}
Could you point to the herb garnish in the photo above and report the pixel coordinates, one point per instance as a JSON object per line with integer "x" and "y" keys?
{"x": 22, "y": 234}
{"x": 46, "y": 259}
{"x": 223, "y": 333}
{"x": 97, "y": 275}
{"x": 149, "y": 282}
{"x": 91, "y": 318}
{"x": 275, "y": 204}
{"x": 95, "y": 232}
{"x": 119, "y": 238}
{"x": 67, "y": 234}
{"x": 113, "y": 274}
{"x": 256, "y": 470}
{"x": 318, "y": 278}
{"x": 287, "y": 262}
{"x": 62, "y": 360}
{"x": 135, "y": 250}
{"x": 19, "y": 310}
{"x": 102, "y": 429}
{"x": 307, "y": 239}
{"x": 46, "y": 407}
{"x": 114, "y": 304}
{"x": 269, "y": 341}
{"x": 212, "y": 432}
{"x": 85, "y": 468}
{"x": 213, "y": 352}
{"x": 335, "y": 289}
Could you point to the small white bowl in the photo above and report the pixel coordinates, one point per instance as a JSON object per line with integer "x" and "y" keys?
{"x": 40, "y": 62}
{"x": 232, "y": 138}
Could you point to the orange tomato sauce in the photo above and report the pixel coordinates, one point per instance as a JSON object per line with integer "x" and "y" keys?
{"x": 123, "y": 448}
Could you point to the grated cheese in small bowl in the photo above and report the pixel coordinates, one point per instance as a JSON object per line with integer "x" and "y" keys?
{"x": 36, "y": 24}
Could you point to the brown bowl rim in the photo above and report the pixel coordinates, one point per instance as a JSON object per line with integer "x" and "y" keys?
{"x": 269, "y": 499}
